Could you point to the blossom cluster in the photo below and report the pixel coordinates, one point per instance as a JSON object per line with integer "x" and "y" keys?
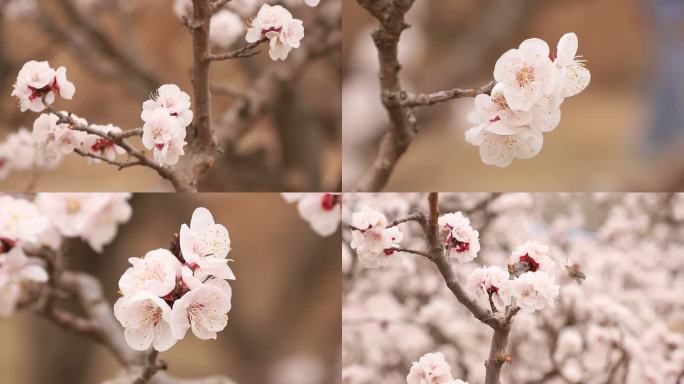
{"x": 320, "y": 210}
{"x": 166, "y": 115}
{"x": 531, "y": 286}
{"x": 622, "y": 321}
{"x": 279, "y": 27}
{"x": 92, "y": 217}
{"x": 531, "y": 85}
{"x": 52, "y": 141}
{"x": 16, "y": 153}
{"x": 431, "y": 368}
{"x": 27, "y": 225}
{"x": 168, "y": 292}
{"x": 38, "y": 83}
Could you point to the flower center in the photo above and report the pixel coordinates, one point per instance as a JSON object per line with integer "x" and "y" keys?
{"x": 6, "y": 244}
{"x": 525, "y": 76}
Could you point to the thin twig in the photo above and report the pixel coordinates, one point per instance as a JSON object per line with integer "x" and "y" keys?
{"x": 406, "y": 99}
{"x": 245, "y": 51}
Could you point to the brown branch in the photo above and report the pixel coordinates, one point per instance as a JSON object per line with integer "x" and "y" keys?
{"x": 500, "y": 325}
{"x": 406, "y": 99}
{"x": 120, "y": 164}
{"x": 202, "y": 12}
{"x": 245, "y": 51}
{"x": 118, "y": 139}
{"x": 152, "y": 366}
{"x": 415, "y": 252}
{"x": 390, "y": 14}
{"x": 418, "y": 217}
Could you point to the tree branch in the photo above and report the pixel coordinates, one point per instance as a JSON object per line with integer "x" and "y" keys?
{"x": 245, "y": 51}
{"x": 390, "y": 14}
{"x": 406, "y": 99}
{"x": 202, "y": 12}
{"x": 118, "y": 139}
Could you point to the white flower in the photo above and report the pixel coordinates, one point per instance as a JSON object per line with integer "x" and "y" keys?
{"x": 543, "y": 116}
{"x": 20, "y": 220}
{"x": 226, "y": 28}
{"x": 276, "y": 24}
{"x": 292, "y": 197}
{"x": 312, "y": 3}
{"x": 368, "y": 218}
{"x": 206, "y": 244}
{"x": 532, "y": 291}
{"x": 15, "y": 270}
{"x": 145, "y": 319}
{"x": 16, "y": 153}
{"x": 573, "y": 76}
{"x": 461, "y": 241}
{"x": 163, "y": 134}
{"x": 527, "y": 74}
{"x": 322, "y": 211}
{"x": 53, "y": 141}
{"x": 487, "y": 281}
{"x": 156, "y": 273}
{"x": 173, "y": 100}
{"x": 373, "y": 242}
{"x": 100, "y": 146}
{"x": 37, "y": 80}
{"x": 183, "y": 8}
{"x": 534, "y": 256}
{"x": 500, "y": 142}
{"x": 204, "y": 309}
{"x": 431, "y": 368}
{"x": 94, "y": 217}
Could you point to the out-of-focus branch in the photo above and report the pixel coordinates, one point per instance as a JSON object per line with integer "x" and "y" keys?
{"x": 129, "y": 64}
{"x": 390, "y": 14}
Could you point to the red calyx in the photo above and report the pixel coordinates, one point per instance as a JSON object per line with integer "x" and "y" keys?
{"x": 388, "y": 251}
{"x": 159, "y": 146}
{"x": 328, "y": 202}
{"x": 534, "y": 266}
{"x": 101, "y": 145}
{"x": 6, "y": 244}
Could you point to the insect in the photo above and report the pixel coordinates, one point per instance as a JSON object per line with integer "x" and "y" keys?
{"x": 575, "y": 272}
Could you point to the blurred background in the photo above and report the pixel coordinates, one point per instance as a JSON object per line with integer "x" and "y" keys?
{"x": 623, "y": 133}
{"x": 119, "y": 51}
{"x": 284, "y": 326}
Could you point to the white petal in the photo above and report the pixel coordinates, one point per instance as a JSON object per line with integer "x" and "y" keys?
{"x": 201, "y": 217}
{"x": 534, "y": 47}
{"x": 567, "y": 49}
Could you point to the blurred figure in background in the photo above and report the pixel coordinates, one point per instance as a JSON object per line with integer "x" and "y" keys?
{"x": 666, "y": 94}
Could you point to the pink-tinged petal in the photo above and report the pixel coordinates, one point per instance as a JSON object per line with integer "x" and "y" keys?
{"x": 180, "y": 323}
{"x": 527, "y": 143}
{"x": 494, "y": 150}
{"x": 501, "y": 128}
{"x": 577, "y": 79}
